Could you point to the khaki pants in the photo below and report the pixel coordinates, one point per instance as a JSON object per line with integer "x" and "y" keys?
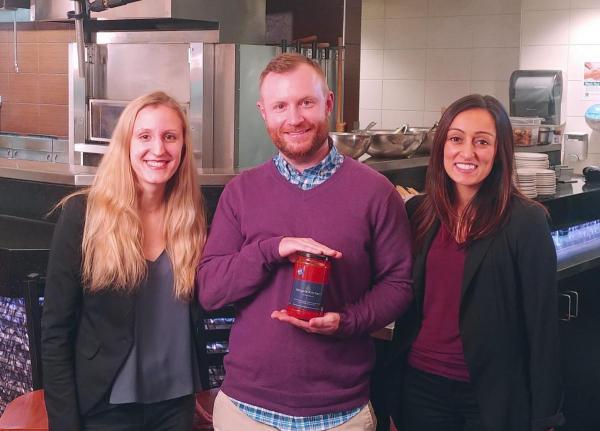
{"x": 227, "y": 417}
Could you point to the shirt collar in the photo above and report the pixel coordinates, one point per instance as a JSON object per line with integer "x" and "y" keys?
{"x": 314, "y": 175}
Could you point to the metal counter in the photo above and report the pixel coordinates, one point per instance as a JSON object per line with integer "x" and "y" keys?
{"x": 77, "y": 175}
{"x": 84, "y": 175}
{"x": 56, "y": 173}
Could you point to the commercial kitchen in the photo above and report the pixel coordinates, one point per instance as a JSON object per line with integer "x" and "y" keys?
{"x": 68, "y": 68}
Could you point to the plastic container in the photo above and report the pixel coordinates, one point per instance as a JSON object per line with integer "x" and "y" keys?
{"x": 525, "y": 131}
{"x": 545, "y": 135}
{"x": 558, "y": 131}
{"x": 311, "y": 277}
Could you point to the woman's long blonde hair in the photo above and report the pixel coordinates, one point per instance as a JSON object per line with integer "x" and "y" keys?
{"x": 113, "y": 237}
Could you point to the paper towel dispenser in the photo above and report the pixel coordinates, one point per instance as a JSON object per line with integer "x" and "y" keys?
{"x": 536, "y": 93}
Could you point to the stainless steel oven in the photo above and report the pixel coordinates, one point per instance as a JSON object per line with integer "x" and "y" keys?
{"x": 217, "y": 84}
{"x": 118, "y": 71}
{"x": 207, "y": 54}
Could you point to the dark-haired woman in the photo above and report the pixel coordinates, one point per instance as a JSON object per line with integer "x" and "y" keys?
{"x": 479, "y": 348}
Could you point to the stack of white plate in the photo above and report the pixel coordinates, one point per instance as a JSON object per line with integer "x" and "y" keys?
{"x": 531, "y": 160}
{"x": 525, "y": 181}
{"x": 545, "y": 182}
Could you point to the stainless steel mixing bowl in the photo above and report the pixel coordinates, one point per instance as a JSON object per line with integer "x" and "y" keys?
{"x": 351, "y": 144}
{"x": 386, "y": 144}
{"x": 426, "y": 146}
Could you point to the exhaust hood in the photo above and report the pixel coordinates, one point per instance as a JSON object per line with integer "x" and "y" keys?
{"x": 241, "y": 21}
{"x": 14, "y": 4}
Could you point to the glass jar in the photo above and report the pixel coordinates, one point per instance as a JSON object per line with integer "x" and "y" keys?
{"x": 311, "y": 277}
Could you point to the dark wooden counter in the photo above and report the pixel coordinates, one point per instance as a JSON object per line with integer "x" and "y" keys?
{"x": 24, "y": 250}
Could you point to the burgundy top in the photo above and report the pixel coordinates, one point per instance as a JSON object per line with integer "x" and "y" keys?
{"x": 438, "y": 348}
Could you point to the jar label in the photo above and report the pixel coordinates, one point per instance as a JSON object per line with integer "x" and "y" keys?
{"x": 307, "y": 295}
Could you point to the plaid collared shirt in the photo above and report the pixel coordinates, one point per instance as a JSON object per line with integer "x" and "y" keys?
{"x": 313, "y": 176}
{"x": 295, "y": 423}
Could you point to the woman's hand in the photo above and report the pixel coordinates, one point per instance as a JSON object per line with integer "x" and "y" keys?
{"x": 328, "y": 324}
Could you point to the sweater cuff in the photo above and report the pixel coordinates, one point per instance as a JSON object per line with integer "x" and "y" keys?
{"x": 347, "y": 325}
{"x": 270, "y": 249}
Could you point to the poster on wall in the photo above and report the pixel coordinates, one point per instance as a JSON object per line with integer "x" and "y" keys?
{"x": 591, "y": 80}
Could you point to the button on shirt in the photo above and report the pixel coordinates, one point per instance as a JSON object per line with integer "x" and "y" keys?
{"x": 306, "y": 180}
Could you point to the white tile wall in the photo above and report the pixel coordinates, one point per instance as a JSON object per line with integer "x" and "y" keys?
{"x": 497, "y": 30}
{"x": 449, "y": 7}
{"x": 420, "y": 55}
{"x": 498, "y": 89}
{"x": 448, "y": 64}
{"x": 544, "y": 4}
{"x": 585, "y": 25}
{"x": 473, "y": 7}
{"x": 367, "y": 115}
{"x": 545, "y": 28}
{"x": 563, "y": 39}
{"x": 373, "y": 9}
{"x": 554, "y": 57}
{"x": 578, "y": 55}
{"x": 405, "y": 95}
{"x": 450, "y": 32}
{"x": 405, "y": 8}
{"x": 494, "y": 63}
{"x": 395, "y": 119}
{"x": 440, "y": 94}
{"x": 405, "y": 33}
{"x": 576, "y": 104}
{"x": 579, "y": 4}
{"x": 404, "y": 64}
{"x": 371, "y": 64}
{"x": 577, "y": 125}
{"x": 370, "y": 94}
{"x": 489, "y": 7}
{"x": 372, "y": 34}
{"x": 431, "y": 117}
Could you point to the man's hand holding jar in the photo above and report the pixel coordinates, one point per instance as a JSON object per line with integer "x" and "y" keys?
{"x": 311, "y": 273}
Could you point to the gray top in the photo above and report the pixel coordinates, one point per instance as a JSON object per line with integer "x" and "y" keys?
{"x": 159, "y": 366}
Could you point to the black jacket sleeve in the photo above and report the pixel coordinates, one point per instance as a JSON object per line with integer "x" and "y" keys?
{"x": 536, "y": 261}
{"x": 62, "y": 300}
{"x": 412, "y": 204}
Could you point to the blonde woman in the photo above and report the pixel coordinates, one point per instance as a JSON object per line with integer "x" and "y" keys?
{"x": 118, "y": 325}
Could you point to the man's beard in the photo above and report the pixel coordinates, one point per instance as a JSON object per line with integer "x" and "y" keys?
{"x": 299, "y": 151}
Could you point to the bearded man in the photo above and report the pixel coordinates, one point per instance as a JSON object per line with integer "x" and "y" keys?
{"x": 283, "y": 373}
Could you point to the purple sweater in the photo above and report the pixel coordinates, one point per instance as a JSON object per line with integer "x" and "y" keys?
{"x": 272, "y": 364}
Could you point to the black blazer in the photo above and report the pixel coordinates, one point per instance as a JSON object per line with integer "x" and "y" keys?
{"x": 86, "y": 337}
{"x": 508, "y": 322}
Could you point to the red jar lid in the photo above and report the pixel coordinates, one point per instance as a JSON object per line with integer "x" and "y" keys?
{"x": 313, "y": 256}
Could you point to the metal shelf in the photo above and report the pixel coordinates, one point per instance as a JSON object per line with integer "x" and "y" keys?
{"x": 539, "y": 148}
{"x": 386, "y": 165}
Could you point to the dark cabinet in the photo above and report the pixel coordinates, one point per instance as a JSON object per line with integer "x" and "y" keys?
{"x": 580, "y": 347}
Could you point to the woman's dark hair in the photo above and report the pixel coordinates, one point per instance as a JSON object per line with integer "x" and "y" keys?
{"x": 488, "y": 210}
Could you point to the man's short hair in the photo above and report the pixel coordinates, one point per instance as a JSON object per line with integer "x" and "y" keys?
{"x": 288, "y": 62}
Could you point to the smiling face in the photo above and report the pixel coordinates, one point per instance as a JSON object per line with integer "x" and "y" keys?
{"x": 295, "y": 106}
{"x": 156, "y": 146}
{"x": 469, "y": 151}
